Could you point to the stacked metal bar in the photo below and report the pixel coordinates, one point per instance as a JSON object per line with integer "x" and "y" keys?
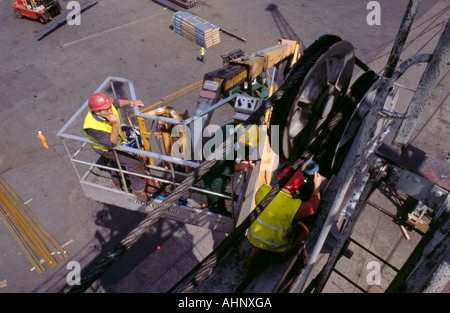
{"x": 33, "y": 238}
{"x": 168, "y": 5}
{"x": 187, "y": 4}
{"x": 196, "y": 29}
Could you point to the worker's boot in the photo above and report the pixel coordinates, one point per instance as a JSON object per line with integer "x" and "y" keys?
{"x": 141, "y": 195}
{"x": 219, "y": 207}
{"x": 253, "y": 261}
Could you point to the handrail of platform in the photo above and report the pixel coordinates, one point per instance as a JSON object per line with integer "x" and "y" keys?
{"x": 192, "y": 164}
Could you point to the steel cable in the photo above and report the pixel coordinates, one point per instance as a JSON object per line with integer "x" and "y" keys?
{"x": 216, "y": 256}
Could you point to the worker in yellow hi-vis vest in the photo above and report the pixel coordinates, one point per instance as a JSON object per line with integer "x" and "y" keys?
{"x": 283, "y": 223}
{"x": 203, "y": 55}
{"x": 102, "y": 126}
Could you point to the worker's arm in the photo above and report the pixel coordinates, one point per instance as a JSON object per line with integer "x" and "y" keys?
{"x": 309, "y": 207}
{"x": 101, "y": 136}
{"x": 123, "y": 102}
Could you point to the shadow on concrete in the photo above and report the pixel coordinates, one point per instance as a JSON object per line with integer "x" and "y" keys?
{"x": 431, "y": 27}
{"x": 401, "y": 201}
{"x": 286, "y": 31}
{"x": 141, "y": 268}
{"x": 115, "y": 224}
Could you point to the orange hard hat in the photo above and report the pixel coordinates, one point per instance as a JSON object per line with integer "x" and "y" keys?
{"x": 99, "y": 101}
{"x": 296, "y": 180}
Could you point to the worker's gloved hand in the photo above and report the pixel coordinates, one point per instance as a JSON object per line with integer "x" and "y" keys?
{"x": 317, "y": 182}
{"x": 245, "y": 166}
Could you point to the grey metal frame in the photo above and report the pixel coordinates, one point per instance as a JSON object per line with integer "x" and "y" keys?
{"x": 359, "y": 148}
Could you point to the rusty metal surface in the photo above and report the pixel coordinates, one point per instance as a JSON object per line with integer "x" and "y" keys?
{"x": 402, "y": 35}
{"x": 414, "y": 160}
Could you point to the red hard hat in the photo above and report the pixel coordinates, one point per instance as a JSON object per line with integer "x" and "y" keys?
{"x": 99, "y": 101}
{"x": 296, "y": 180}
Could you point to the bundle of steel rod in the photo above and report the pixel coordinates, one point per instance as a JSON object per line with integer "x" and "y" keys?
{"x": 196, "y": 29}
{"x": 187, "y": 4}
{"x": 36, "y": 242}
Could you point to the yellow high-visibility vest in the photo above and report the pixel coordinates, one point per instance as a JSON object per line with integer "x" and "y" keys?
{"x": 273, "y": 230}
{"x": 106, "y": 126}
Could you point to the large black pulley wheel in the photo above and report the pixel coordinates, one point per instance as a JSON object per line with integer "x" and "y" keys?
{"x": 360, "y": 98}
{"x": 323, "y": 79}
{"x": 353, "y": 111}
{"x": 363, "y": 93}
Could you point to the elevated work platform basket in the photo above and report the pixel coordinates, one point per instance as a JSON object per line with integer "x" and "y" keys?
{"x": 94, "y": 171}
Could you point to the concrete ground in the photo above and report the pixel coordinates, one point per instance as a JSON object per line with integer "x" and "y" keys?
{"x": 44, "y": 83}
